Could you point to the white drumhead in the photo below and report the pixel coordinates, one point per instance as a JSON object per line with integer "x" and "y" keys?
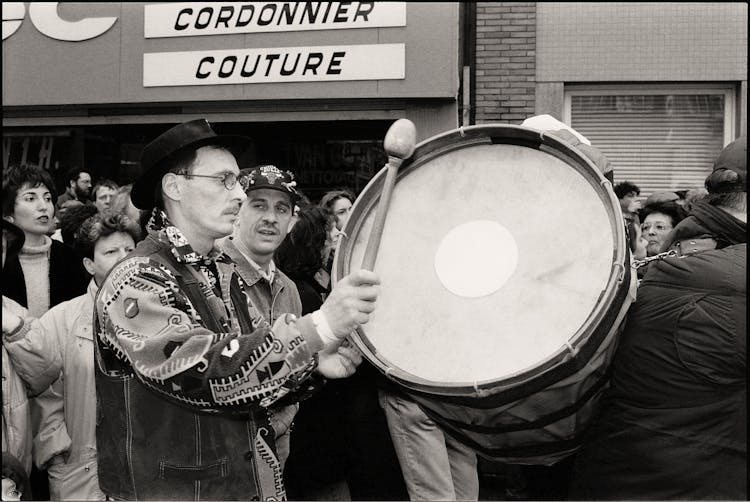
{"x": 537, "y": 255}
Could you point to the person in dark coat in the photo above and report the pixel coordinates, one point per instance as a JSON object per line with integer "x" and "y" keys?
{"x": 675, "y": 419}
{"x": 316, "y": 466}
{"x": 340, "y": 445}
{"x": 303, "y": 252}
{"x": 28, "y": 202}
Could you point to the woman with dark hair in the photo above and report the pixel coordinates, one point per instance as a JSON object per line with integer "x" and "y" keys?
{"x": 304, "y": 252}
{"x": 658, "y": 220}
{"x": 316, "y": 467}
{"x": 67, "y": 432}
{"x": 338, "y": 203}
{"x": 45, "y": 272}
{"x": 16, "y": 418}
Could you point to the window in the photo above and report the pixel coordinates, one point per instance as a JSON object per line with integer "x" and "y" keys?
{"x": 660, "y": 138}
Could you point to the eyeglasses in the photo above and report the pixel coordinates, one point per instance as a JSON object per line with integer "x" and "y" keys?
{"x": 660, "y": 227}
{"x": 229, "y": 180}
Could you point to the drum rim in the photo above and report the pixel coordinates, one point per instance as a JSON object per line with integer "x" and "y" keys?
{"x": 457, "y": 139}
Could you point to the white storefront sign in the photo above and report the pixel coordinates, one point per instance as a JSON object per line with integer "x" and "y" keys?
{"x": 45, "y": 18}
{"x": 223, "y": 18}
{"x": 279, "y": 64}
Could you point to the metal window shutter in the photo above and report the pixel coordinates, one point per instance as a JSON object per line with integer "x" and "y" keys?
{"x": 658, "y": 142}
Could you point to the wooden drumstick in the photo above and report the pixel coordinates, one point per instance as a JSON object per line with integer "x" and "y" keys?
{"x": 399, "y": 144}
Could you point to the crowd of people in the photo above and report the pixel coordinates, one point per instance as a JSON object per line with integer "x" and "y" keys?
{"x": 181, "y": 338}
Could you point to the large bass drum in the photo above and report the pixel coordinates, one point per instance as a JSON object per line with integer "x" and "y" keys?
{"x": 505, "y": 279}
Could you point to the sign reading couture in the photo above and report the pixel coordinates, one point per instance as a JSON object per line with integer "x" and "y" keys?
{"x": 278, "y": 64}
{"x": 178, "y": 51}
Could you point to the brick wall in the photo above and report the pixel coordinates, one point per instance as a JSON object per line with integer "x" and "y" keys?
{"x": 505, "y": 61}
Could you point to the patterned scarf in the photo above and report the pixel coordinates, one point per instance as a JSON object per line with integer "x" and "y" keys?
{"x": 160, "y": 228}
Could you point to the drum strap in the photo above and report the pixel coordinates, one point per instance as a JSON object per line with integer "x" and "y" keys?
{"x": 681, "y": 249}
{"x": 645, "y": 261}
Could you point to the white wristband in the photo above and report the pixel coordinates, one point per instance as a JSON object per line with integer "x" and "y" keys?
{"x": 323, "y": 328}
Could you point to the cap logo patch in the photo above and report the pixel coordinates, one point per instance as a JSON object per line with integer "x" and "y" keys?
{"x": 271, "y": 173}
{"x": 269, "y": 176}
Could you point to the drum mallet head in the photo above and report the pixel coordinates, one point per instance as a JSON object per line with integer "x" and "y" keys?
{"x": 400, "y": 140}
{"x": 399, "y": 143}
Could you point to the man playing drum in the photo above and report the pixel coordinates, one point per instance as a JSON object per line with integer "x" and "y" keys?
{"x": 184, "y": 379}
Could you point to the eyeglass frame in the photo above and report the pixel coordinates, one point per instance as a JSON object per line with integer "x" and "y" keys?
{"x": 645, "y": 227}
{"x": 240, "y": 178}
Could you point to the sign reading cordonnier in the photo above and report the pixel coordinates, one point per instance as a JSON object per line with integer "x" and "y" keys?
{"x": 279, "y": 64}
{"x": 223, "y": 18}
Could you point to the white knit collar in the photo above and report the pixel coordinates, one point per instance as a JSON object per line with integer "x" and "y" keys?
{"x": 42, "y": 249}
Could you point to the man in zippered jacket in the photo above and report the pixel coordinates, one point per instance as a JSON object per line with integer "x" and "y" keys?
{"x": 675, "y": 419}
{"x": 264, "y": 220}
{"x": 184, "y": 379}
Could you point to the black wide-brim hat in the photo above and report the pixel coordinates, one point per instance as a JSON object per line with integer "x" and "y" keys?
{"x": 193, "y": 134}
{"x": 17, "y": 238}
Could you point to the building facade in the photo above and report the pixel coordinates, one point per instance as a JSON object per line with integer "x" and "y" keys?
{"x": 659, "y": 87}
{"x": 314, "y": 84}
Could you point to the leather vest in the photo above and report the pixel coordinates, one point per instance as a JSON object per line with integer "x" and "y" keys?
{"x": 151, "y": 448}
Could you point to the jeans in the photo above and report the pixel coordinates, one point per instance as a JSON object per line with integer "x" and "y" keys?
{"x": 281, "y": 420}
{"x": 435, "y": 466}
